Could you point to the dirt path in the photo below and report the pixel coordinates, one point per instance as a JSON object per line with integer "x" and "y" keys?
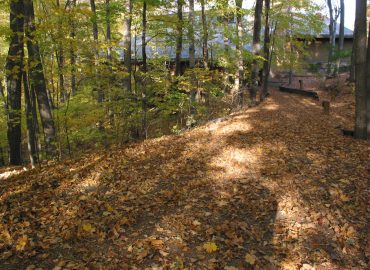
{"x": 273, "y": 187}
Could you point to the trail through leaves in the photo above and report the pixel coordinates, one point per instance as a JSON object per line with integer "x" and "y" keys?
{"x": 272, "y": 187}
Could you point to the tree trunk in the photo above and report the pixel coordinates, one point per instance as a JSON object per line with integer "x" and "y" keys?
{"x": 109, "y": 32}
{"x": 266, "y": 69}
{"x": 95, "y": 32}
{"x": 352, "y": 71}
{"x": 72, "y": 53}
{"x": 192, "y": 55}
{"x": 368, "y": 85}
{"x": 30, "y": 122}
{"x": 191, "y": 35}
{"x": 2, "y": 159}
{"x": 127, "y": 45}
{"x": 341, "y": 35}
{"x": 256, "y": 48}
{"x": 144, "y": 125}
{"x": 205, "y": 34}
{"x": 239, "y": 51}
{"x": 143, "y": 37}
{"x": 180, "y": 22}
{"x": 14, "y": 66}
{"x": 226, "y": 20}
{"x": 361, "y": 80}
{"x": 332, "y": 34}
{"x": 37, "y": 80}
{"x": 59, "y": 53}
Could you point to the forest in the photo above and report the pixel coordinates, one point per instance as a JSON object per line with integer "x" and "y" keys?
{"x": 185, "y": 134}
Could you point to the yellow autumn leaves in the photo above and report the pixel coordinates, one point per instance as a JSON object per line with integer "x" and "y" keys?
{"x": 5, "y": 237}
{"x": 250, "y": 258}
{"x": 21, "y": 243}
{"x": 87, "y": 227}
{"x": 210, "y": 247}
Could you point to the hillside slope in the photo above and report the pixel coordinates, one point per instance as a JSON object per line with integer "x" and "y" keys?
{"x": 273, "y": 187}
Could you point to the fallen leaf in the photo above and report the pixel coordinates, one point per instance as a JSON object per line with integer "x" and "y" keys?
{"x": 249, "y": 258}
{"x": 210, "y": 247}
{"x": 163, "y": 253}
{"x": 87, "y": 227}
{"x": 196, "y": 223}
{"x": 156, "y": 242}
{"x": 21, "y": 243}
{"x": 230, "y": 268}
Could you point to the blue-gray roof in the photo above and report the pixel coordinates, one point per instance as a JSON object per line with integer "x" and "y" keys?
{"x": 348, "y": 33}
{"x": 158, "y": 46}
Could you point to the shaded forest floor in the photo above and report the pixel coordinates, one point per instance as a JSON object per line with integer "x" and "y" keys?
{"x": 272, "y": 187}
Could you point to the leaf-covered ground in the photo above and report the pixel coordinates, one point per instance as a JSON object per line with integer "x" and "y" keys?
{"x": 273, "y": 187}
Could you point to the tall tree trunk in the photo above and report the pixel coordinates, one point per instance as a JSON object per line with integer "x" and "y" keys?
{"x": 352, "y": 70}
{"x": 109, "y": 32}
{"x": 256, "y": 48}
{"x": 143, "y": 37}
{"x": 361, "y": 80}
{"x": 14, "y": 63}
{"x": 59, "y": 53}
{"x": 191, "y": 35}
{"x": 72, "y": 53}
{"x": 2, "y": 96}
{"x": 95, "y": 32}
{"x": 332, "y": 34}
{"x": 205, "y": 34}
{"x": 192, "y": 55}
{"x": 37, "y": 80}
{"x": 368, "y": 84}
{"x": 239, "y": 51}
{"x": 226, "y": 21}
{"x": 266, "y": 49}
{"x": 180, "y": 23}
{"x": 291, "y": 47}
{"x": 341, "y": 35}
{"x": 127, "y": 45}
{"x": 145, "y": 68}
{"x": 30, "y": 122}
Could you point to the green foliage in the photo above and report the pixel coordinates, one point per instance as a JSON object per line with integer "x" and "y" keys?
{"x": 342, "y": 54}
{"x": 294, "y": 23}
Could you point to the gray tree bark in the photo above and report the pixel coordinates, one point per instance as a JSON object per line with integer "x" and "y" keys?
{"x": 192, "y": 55}
{"x": 59, "y": 53}
{"x": 266, "y": 66}
{"x": 95, "y": 32}
{"x": 341, "y": 35}
{"x": 180, "y": 23}
{"x": 360, "y": 47}
{"x": 37, "y": 79}
{"x": 205, "y": 34}
{"x": 144, "y": 106}
{"x": 127, "y": 45}
{"x": 14, "y": 63}
{"x": 239, "y": 76}
{"x": 256, "y": 48}
{"x": 31, "y": 122}
{"x": 72, "y": 53}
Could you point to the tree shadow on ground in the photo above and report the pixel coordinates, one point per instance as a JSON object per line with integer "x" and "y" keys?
{"x": 320, "y": 181}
